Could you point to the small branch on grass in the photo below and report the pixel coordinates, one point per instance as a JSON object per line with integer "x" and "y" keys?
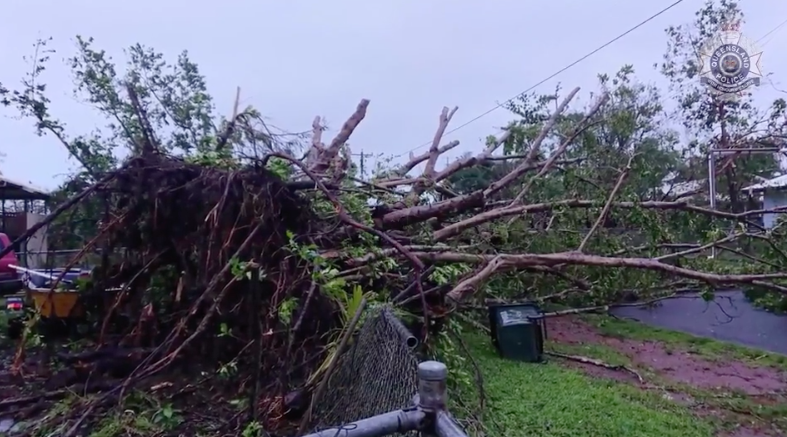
{"x": 606, "y": 308}
{"x": 597, "y": 363}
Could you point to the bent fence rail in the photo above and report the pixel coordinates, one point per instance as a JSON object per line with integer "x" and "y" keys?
{"x": 380, "y": 388}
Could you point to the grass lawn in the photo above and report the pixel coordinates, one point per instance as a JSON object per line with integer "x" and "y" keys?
{"x": 705, "y": 347}
{"x": 551, "y": 400}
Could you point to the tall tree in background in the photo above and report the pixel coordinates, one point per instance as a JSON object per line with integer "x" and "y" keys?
{"x": 180, "y": 111}
{"x": 712, "y": 123}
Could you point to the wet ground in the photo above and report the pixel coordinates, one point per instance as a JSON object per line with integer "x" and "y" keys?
{"x": 730, "y": 317}
{"x": 706, "y": 385}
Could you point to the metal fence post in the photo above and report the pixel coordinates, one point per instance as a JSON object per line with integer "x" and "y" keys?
{"x": 428, "y": 415}
{"x": 433, "y": 400}
{"x": 432, "y": 377}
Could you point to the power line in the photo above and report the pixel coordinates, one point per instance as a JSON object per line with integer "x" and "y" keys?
{"x": 602, "y": 47}
{"x": 775, "y": 29}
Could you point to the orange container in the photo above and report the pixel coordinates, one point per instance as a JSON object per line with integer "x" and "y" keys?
{"x": 60, "y": 304}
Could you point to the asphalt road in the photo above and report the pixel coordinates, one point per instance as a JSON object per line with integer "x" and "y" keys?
{"x": 729, "y": 318}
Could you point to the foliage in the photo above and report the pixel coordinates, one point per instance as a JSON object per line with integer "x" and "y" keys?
{"x": 711, "y": 123}
{"x": 635, "y": 122}
{"x": 551, "y": 400}
{"x": 230, "y": 241}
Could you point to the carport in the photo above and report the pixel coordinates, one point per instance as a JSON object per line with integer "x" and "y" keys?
{"x": 21, "y": 206}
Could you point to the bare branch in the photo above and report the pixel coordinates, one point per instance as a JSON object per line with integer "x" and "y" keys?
{"x": 487, "y": 216}
{"x": 324, "y": 158}
{"x": 607, "y": 205}
{"x": 415, "y": 160}
{"x": 534, "y": 148}
{"x": 575, "y": 258}
{"x": 434, "y": 150}
{"x": 471, "y": 161}
{"x": 583, "y": 125}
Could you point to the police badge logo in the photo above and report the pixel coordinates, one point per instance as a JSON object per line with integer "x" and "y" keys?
{"x": 730, "y": 63}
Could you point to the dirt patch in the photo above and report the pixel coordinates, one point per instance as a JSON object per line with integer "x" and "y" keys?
{"x": 690, "y": 369}
{"x": 679, "y": 366}
{"x": 745, "y": 431}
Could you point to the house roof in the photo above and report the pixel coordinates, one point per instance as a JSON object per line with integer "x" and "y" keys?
{"x": 11, "y": 189}
{"x": 681, "y": 188}
{"x": 775, "y": 184}
{"x": 687, "y": 189}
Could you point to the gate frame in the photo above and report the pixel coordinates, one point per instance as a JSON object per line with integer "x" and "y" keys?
{"x": 428, "y": 414}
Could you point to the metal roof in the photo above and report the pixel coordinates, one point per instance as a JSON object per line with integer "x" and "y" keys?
{"x": 775, "y": 183}
{"x": 687, "y": 189}
{"x": 681, "y": 188}
{"x": 11, "y": 189}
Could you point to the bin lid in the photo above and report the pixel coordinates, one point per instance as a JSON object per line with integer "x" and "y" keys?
{"x": 516, "y": 314}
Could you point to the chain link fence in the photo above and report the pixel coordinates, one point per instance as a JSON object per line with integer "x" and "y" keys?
{"x": 378, "y": 374}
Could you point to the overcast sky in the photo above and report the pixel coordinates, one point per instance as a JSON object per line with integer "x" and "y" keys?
{"x": 294, "y": 60}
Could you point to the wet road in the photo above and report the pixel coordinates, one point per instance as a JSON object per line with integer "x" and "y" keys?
{"x": 730, "y": 318}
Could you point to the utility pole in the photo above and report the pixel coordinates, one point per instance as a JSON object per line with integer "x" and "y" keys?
{"x": 712, "y": 153}
{"x": 363, "y": 173}
{"x": 362, "y": 166}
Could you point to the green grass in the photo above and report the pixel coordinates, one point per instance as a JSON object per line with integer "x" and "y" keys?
{"x": 550, "y": 400}
{"x": 705, "y": 347}
{"x": 712, "y": 350}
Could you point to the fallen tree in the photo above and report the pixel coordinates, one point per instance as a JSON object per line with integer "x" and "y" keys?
{"x": 269, "y": 260}
{"x": 248, "y": 263}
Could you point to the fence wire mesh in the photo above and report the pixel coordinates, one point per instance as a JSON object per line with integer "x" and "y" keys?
{"x": 377, "y": 374}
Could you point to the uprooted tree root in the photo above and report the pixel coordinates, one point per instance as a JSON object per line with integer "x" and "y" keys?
{"x": 181, "y": 295}
{"x": 218, "y": 269}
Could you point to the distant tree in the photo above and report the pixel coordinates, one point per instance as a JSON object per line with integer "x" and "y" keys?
{"x": 174, "y": 96}
{"x": 714, "y": 123}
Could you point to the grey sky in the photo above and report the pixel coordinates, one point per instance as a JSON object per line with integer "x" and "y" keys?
{"x": 294, "y": 60}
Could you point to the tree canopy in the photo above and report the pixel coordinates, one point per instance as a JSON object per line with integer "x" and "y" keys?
{"x": 572, "y": 205}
